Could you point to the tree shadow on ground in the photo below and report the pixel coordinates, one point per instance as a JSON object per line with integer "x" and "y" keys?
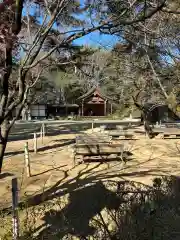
{"x": 61, "y": 143}
{"x": 132, "y": 210}
{"x": 90, "y": 193}
{"x": 49, "y": 170}
{"x": 51, "y": 130}
{"x": 6, "y": 174}
{"x": 83, "y": 205}
{"x": 87, "y": 175}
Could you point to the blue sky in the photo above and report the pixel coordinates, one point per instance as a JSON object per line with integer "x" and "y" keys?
{"x": 98, "y": 40}
{"x": 94, "y": 39}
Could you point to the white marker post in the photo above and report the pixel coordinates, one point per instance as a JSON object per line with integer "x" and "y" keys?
{"x": 41, "y": 134}
{"x": 43, "y": 127}
{"x": 27, "y": 162}
{"x": 35, "y": 143}
{"x": 92, "y": 127}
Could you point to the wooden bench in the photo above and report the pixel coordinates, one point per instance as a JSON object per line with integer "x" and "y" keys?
{"x": 95, "y": 145}
{"x": 172, "y": 125}
{"x": 122, "y": 134}
{"x": 93, "y": 138}
{"x": 101, "y": 150}
{"x": 167, "y": 132}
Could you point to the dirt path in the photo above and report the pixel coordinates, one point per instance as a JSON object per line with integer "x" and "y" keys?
{"x": 56, "y": 189}
{"x": 53, "y": 164}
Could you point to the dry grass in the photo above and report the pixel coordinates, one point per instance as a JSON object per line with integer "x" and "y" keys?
{"x": 58, "y": 196}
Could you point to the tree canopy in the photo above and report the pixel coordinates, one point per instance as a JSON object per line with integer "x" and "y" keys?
{"x": 37, "y": 39}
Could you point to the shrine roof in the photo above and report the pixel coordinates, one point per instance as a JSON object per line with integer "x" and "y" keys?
{"x": 93, "y": 90}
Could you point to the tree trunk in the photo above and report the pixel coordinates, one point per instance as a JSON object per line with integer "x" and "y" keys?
{"x": 4, "y": 131}
{"x": 144, "y": 119}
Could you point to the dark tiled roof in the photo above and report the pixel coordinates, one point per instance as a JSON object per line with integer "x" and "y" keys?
{"x": 91, "y": 91}
{"x": 150, "y": 105}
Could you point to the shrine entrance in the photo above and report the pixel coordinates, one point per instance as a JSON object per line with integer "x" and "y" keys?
{"x": 94, "y": 103}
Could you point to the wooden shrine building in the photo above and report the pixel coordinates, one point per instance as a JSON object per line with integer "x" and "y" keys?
{"x": 94, "y": 103}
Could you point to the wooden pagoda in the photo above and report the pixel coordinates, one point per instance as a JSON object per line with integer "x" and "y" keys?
{"x": 95, "y": 103}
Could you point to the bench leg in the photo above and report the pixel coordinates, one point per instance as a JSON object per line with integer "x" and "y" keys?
{"x": 123, "y": 157}
{"x": 74, "y": 160}
{"x": 77, "y": 160}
